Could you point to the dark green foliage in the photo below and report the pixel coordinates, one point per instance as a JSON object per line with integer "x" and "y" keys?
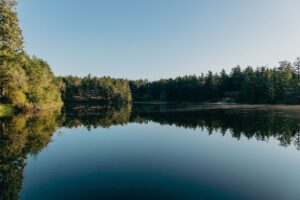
{"x": 260, "y": 85}
{"x": 93, "y": 89}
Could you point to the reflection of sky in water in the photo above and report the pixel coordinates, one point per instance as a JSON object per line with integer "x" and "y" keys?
{"x": 150, "y": 160}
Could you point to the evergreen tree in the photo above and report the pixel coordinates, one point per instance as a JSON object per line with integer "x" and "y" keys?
{"x": 13, "y": 83}
{"x": 24, "y": 82}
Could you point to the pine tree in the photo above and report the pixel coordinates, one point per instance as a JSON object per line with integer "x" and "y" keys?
{"x": 10, "y": 33}
{"x": 13, "y": 84}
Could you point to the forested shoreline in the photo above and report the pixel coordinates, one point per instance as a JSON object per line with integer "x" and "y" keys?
{"x": 260, "y": 85}
{"x": 94, "y": 90}
{"x": 27, "y": 82}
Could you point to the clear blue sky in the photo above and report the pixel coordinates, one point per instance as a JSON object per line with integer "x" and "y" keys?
{"x": 159, "y": 38}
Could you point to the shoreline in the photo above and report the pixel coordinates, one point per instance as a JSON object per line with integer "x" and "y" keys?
{"x": 7, "y": 110}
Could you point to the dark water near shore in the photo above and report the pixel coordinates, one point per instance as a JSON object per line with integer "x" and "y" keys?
{"x": 152, "y": 152}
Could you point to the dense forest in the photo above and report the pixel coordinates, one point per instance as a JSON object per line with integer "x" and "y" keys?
{"x": 260, "y": 85}
{"x": 93, "y": 89}
{"x": 26, "y": 82}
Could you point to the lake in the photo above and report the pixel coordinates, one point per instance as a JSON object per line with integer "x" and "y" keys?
{"x": 152, "y": 151}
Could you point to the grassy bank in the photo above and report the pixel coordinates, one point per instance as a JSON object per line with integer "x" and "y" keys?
{"x": 6, "y": 110}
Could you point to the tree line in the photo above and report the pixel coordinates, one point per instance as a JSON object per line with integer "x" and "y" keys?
{"x": 25, "y": 82}
{"x": 94, "y": 90}
{"x": 260, "y": 85}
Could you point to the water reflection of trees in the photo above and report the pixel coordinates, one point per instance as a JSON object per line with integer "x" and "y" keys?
{"x": 20, "y": 136}
{"x": 250, "y": 123}
{"x": 28, "y": 134}
{"x": 96, "y": 116}
{"x": 282, "y": 125}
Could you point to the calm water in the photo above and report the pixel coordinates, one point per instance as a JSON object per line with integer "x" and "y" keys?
{"x": 152, "y": 152}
